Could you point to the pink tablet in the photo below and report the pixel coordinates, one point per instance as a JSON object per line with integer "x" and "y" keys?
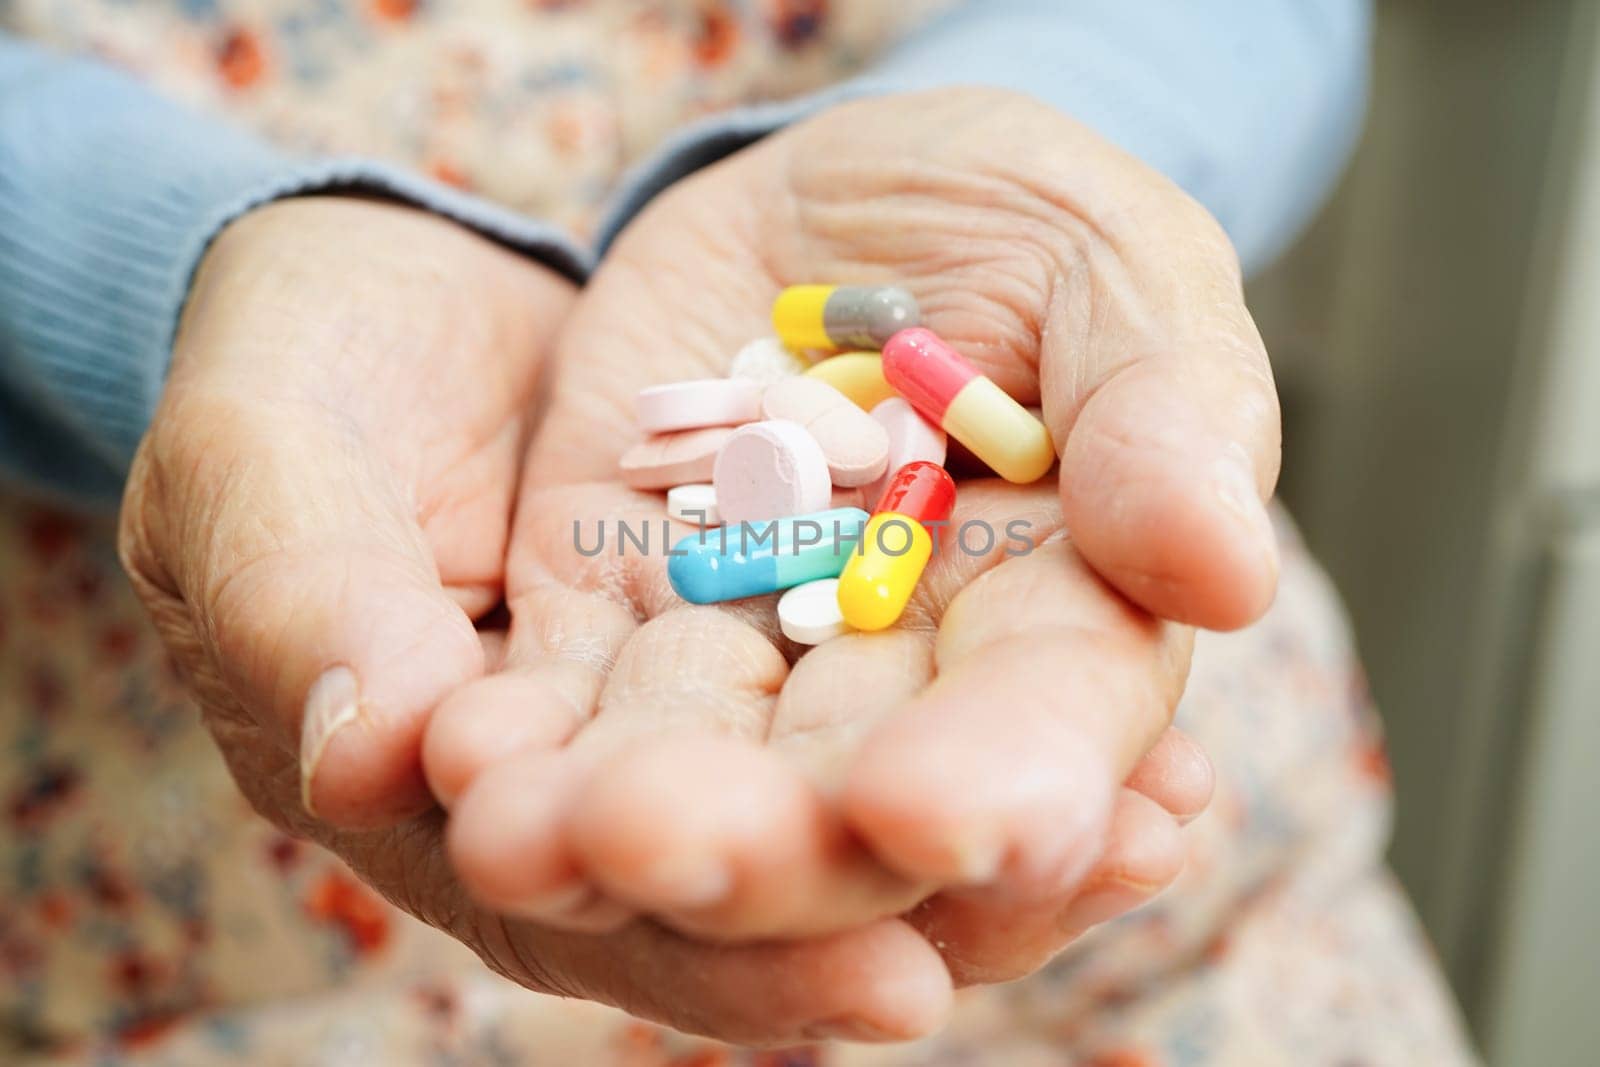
{"x": 669, "y": 459}
{"x": 691, "y": 405}
{"x": 769, "y": 470}
{"x": 856, "y": 446}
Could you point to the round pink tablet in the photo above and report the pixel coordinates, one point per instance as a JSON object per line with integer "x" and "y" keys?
{"x": 768, "y": 470}
{"x": 911, "y": 438}
{"x": 691, "y": 405}
{"x": 669, "y": 459}
{"x": 857, "y": 446}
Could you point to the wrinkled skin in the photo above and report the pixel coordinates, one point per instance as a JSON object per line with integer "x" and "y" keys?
{"x": 656, "y": 790}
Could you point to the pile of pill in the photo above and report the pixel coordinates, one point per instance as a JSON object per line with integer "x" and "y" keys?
{"x": 753, "y": 459}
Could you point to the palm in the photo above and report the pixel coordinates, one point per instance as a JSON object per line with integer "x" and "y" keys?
{"x": 644, "y": 692}
{"x": 327, "y": 487}
{"x": 328, "y": 483}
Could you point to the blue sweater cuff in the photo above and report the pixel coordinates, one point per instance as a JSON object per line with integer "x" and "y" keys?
{"x": 109, "y": 196}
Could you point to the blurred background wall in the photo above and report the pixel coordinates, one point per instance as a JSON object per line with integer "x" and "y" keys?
{"x": 1437, "y": 340}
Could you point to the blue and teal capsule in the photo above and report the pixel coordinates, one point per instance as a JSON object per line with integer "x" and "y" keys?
{"x": 755, "y": 558}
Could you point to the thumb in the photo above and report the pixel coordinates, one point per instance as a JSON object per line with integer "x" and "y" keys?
{"x": 286, "y": 567}
{"x": 1170, "y": 445}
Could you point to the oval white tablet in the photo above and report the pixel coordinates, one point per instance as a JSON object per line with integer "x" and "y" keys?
{"x": 765, "y": 361}
{"x": 695, "y": 504}
{"x": 809, "y": 614}
{"x": 696, "y": 404}
{"x": 770, "y": 470}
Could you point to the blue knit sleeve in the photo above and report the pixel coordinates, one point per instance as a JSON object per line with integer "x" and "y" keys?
{"x": 109, "y": 195}
{"x": 1252, "y": 106}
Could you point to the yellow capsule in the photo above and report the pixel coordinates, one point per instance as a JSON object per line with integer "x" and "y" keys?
{"x": 842, "y": 316}
{"x": 797, "y": 316}
{"x": 858, "y": 375}
{"x": 880, "y": 576}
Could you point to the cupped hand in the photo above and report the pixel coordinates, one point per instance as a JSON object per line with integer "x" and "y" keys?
{"x": 317, "y": 515}
{"x": 319, "y": 510}
{"x": 635, "y": 753}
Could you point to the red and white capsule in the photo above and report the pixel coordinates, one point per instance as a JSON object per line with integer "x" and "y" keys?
{"x": 950, "y": 391}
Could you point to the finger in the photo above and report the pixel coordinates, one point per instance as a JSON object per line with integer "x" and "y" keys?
{"x": 839, "y": 691}
{"x": 562, "y": 644}
{"x": 314, "y": 593}
{"x": 1176, "y": 774}
{"x": 724, "y": 840}
{"x": 985, "y": 938}
{"x": 1164, "y": 473}
{"x": 835, "y": 696}
{"x": 792, "y": 868}
{"x": 879, "y": 982}
{"x": 496, "y": 753}
{"x": 464, "y": 518}
{"x": 509, "y": 842}
{"x": 681, "y": 732}
{"x": 571, "y": 612}
{"x": 1004, "y": 769}
{"x": 1159, "y": 394}
{"x": 692, "y": 672}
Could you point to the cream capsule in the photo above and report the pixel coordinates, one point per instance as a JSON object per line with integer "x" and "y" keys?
{"x": 950, "y": 391}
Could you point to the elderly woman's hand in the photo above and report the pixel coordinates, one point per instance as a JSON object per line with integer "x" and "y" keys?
{"x": 682, "y": 764}
{"x": 319, "y": 510}
{"x": 315, "y": 519}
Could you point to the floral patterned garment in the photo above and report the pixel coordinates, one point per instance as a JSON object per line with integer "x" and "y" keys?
{"x": 150, "y": 917}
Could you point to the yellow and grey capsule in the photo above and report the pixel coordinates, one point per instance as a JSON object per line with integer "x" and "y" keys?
{"x": 842, "y": 316}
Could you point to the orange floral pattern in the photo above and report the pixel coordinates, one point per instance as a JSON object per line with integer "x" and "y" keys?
{"x": 151, "y": 917}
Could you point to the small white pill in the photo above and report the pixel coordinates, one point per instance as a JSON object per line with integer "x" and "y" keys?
{"x": 809, "y": 614}
{"x": 766, "y": 361}
{"x": 693, "y": 503}
{"x": 697, "y": 404}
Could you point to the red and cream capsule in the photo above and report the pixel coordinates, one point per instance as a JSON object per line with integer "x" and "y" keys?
{"x": 950, "y": 391}
{"x": 879, "y": 578}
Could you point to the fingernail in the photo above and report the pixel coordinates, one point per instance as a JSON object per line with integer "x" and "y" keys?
{"x": 979, "y": 861}
{"x": 847, "y": 1028}
{"x": 1056, "y": 851}
{"x": 692, "y": 882}
{"x": 333, "y": 703}
{"x": 1112, "y": 899}
{"x": 557, "y": 902}
{"x": 1235, "y": 481}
